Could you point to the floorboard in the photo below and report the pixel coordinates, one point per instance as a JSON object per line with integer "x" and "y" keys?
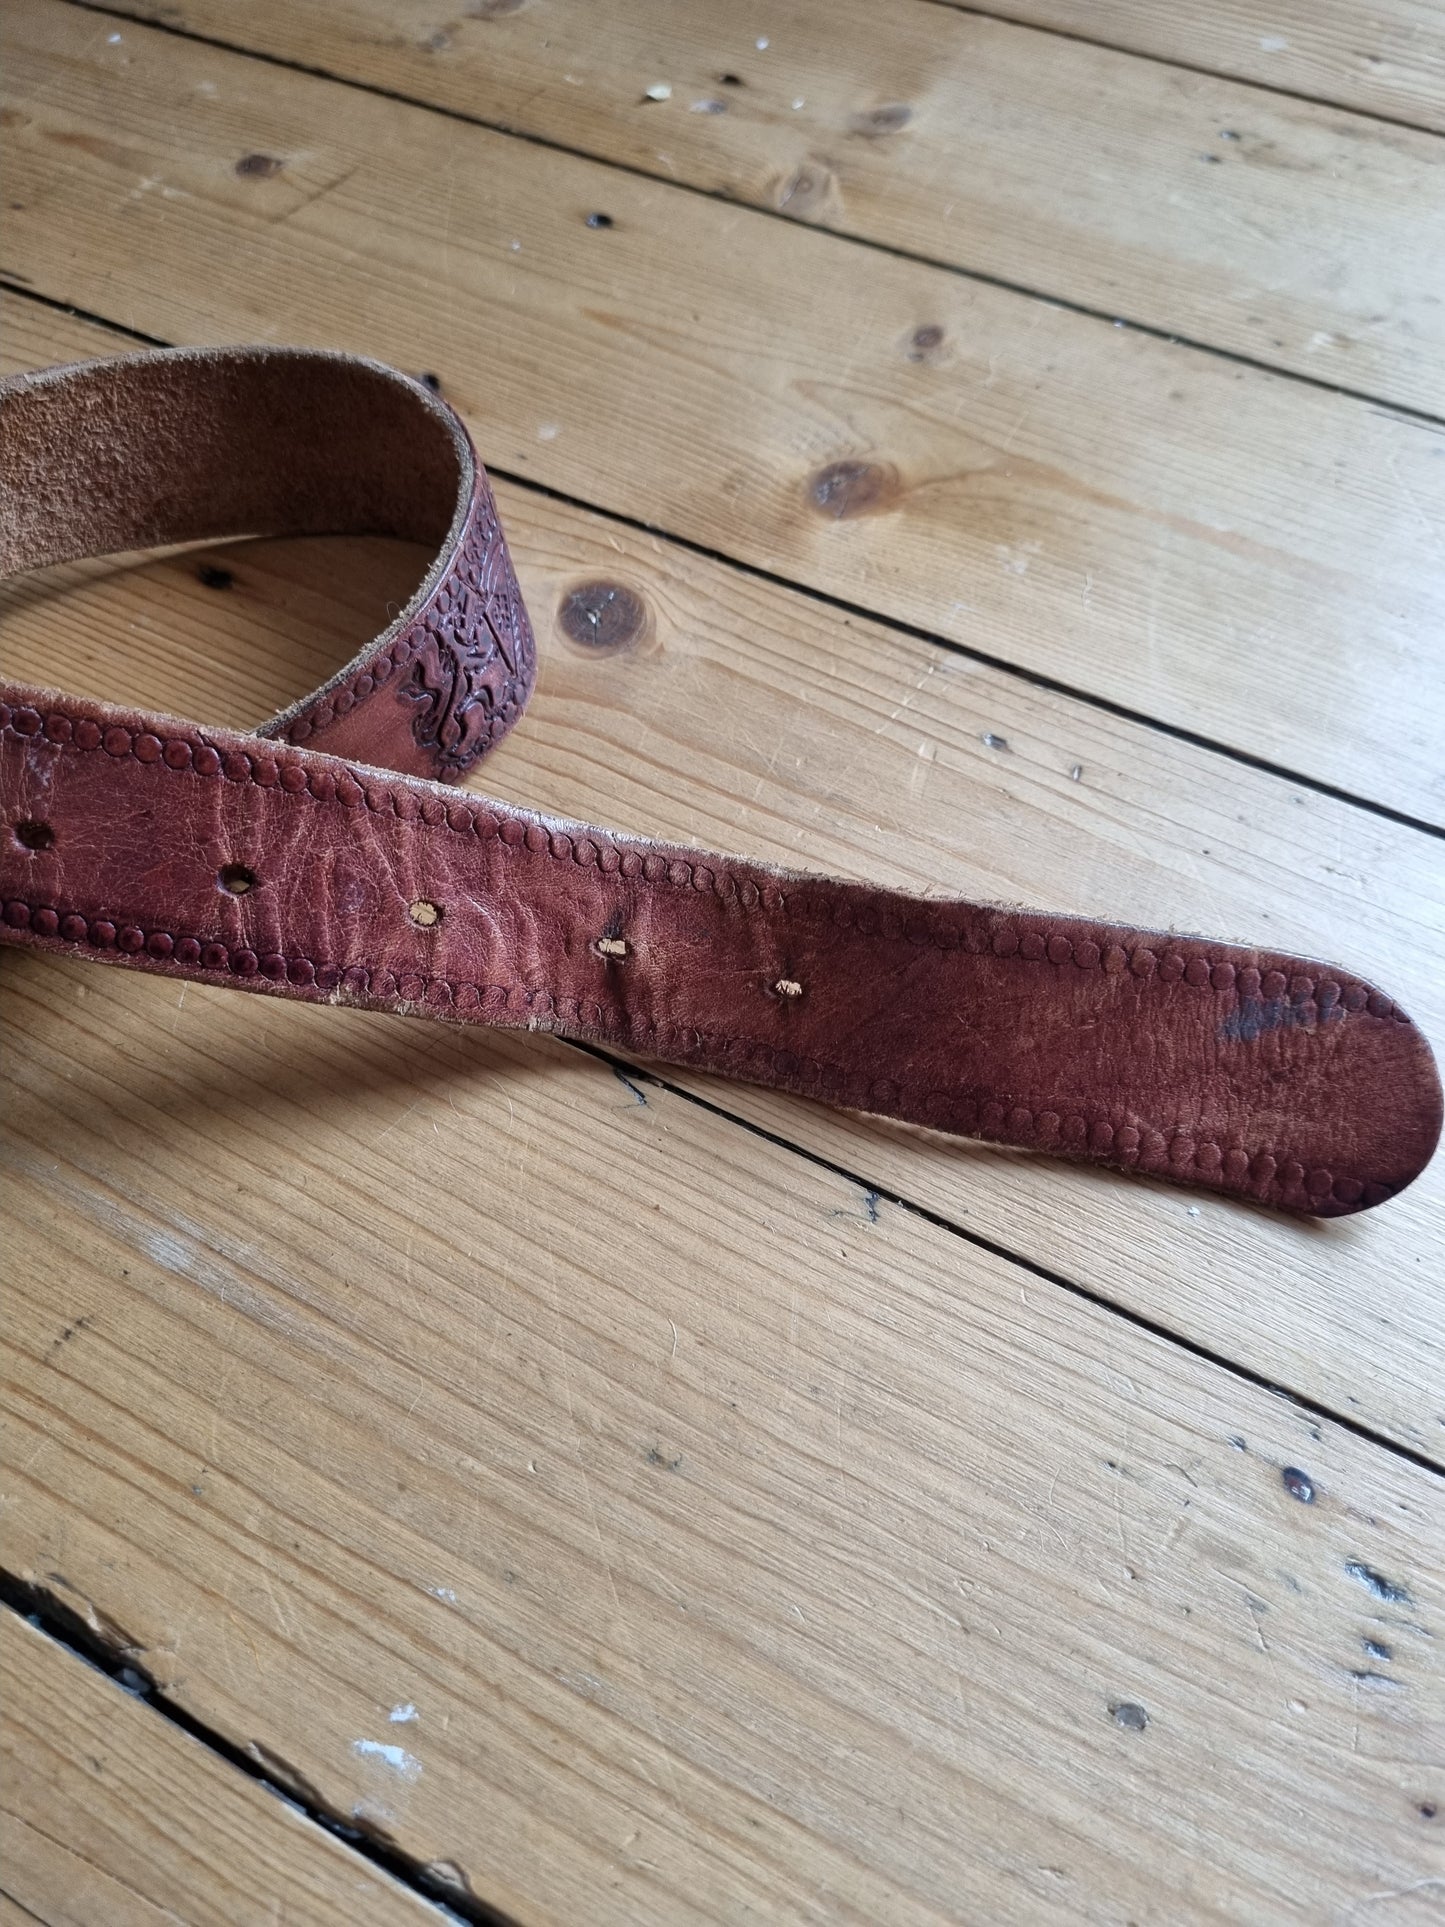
{"x": 1384, "y": 57}
{"x": 112, "y": 1817}
{"x": 620, "y": 1499}
{"x": 743, "y": 1546}
{"x": 1154, "y": 525}
{"x": 1184, "y": 203}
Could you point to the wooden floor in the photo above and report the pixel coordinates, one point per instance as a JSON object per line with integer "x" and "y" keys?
{"x": 591, "y": 1499}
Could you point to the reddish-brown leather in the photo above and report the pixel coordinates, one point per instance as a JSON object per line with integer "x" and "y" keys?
{"x": 1280, "y": 1080}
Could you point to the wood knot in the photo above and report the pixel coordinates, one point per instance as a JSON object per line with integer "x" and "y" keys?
{"x": 925, "y": 342}
{"x": 807, "y": 192}
{"x": 602, "y": 616}
{"x": 879, "y": 121}
{"x": 845, "y": 489}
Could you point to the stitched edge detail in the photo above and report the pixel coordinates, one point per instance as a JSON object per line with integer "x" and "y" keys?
{"x": 913, "y": 923}
{"x": 1260, "y": 1173}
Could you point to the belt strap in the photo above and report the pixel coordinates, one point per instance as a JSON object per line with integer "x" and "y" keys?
{"x": 324, "y": 858}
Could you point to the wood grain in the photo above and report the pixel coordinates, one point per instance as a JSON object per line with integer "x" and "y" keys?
{"x": 1383, "y": 56}
{"x": 1184, "y": 202}
{"x": 111, "y": 1817}
{"x": 747, "y": 717}
{"x": 1234, "y": 553}
{"x": 743, "y": 1549}
{"x": 626, "y": 1516}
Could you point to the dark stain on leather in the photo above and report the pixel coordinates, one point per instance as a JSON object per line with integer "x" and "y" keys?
{"x": 258, "y": 167}
{"x": 1257, "y": 1016}
{"x": 845, "y": 489}
{"x": 602, "y": 617}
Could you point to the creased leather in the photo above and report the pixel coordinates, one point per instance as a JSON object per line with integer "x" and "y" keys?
{"x": 315, "y": 860}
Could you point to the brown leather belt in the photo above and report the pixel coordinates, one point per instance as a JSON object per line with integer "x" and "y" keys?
{"x": 319, "y": 858}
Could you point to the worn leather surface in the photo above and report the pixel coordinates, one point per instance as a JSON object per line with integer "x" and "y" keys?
{"x": 299, "y": 862}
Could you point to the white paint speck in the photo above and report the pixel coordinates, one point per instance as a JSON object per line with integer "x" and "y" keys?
{"x": 708, "y": 107}
{"x": 799, "y": 102}
{"x": 443, "y": 1593}
{"x": 548, "y": 432}
{"x": 516, "y": 247}
{"x": 112, "y": 40}
{"x": 659, "y": 90}
{"x": 403, "y": 1714}
{"x": 1272, "y": 43}
{"x": 396, "y": 1757}
{"x": 761, "y": 43}
{"x": 1193, "y": 1210}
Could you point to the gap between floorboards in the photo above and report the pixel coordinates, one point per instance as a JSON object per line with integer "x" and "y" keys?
{"x": 59, "y": 1622}
{"x": 1190, "y": 67}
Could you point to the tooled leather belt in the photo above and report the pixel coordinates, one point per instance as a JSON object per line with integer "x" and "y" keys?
{"x": 321, "y": 858}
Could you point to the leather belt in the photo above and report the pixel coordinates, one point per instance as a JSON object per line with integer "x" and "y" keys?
{"x": 324, "y": 858}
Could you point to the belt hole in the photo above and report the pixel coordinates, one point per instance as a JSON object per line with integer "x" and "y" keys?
{"x": 425, "y": 914}
{"x": 235, "y": 879}
{"x": 610, "y": 947}
{"x": 787, "y": 987}
{"x": 31, "y": 835}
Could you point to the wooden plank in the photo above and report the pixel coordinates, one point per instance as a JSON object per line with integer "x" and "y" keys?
{"x": 1187, "y": 203}
{"x": 744, "y": 1552}
{"x": 749, "y": 718}
{"x": 1382, "y": 56}
{"x": 1235, "y": 553}
{"x": 110, "y": 1815}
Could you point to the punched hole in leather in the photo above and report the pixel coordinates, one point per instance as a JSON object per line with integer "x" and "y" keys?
{"x": 326, "y": 856}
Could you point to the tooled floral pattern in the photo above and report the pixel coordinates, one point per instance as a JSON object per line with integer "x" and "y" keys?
{"x": 475, "y": 657}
